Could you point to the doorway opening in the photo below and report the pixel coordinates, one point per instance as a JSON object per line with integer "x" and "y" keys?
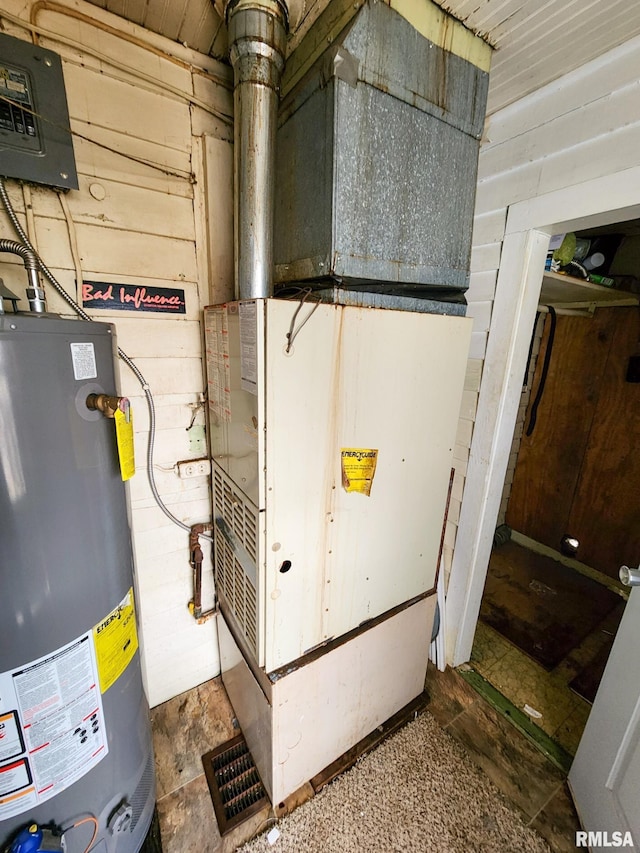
{"x": 569, "y": 516}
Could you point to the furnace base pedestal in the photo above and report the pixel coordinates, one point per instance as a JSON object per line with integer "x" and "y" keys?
{"x": 309, "y": 717}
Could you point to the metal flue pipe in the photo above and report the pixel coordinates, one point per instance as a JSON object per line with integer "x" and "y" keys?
{"x": 257, "y": 33}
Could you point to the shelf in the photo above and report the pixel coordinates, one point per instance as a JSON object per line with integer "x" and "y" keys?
{"x": 565, "y": 291}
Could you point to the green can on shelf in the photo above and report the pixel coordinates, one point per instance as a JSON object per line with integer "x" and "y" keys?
{"x": 601, "y": 279}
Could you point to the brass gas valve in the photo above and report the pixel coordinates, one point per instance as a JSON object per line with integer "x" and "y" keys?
{"x": 108, "y": 405}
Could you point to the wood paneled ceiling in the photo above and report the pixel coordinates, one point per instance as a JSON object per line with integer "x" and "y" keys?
{"x": 536, "y": 41}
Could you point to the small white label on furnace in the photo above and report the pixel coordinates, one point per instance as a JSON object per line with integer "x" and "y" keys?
{"x": 218, "y": 363}
{"x": 248, "y": 347}
{"x": 84, "y": 361}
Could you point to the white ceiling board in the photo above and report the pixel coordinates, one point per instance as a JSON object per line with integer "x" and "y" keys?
{"x": 132, "y": 10}
{"x": 195, "y": 23}
{"x": 538, "y": 41}
{"x": 166, "y": 16}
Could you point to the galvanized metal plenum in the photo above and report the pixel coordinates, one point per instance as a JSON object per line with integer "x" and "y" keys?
{"x": 377, "y": 159}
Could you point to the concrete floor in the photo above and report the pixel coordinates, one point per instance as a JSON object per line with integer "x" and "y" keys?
{"x": 192, "y": 724}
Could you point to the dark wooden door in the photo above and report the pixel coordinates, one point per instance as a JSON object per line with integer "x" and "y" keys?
{"x": 579, "y": 472}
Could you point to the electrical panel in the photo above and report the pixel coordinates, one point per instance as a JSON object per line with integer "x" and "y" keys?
{"x": 35, "y": 137}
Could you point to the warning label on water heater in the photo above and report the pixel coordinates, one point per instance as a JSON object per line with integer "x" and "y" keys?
{"x": 83, "y": 358}
{"x": 52, "y": 729}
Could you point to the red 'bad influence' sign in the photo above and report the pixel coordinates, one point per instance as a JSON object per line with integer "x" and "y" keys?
{"x": 133, "y": 297}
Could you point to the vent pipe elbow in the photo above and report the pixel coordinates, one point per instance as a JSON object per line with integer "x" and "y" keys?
{"x": 257, "y": 36}
{"x": 35, "y": 294}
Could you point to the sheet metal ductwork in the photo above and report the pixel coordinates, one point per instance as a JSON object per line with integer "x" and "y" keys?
{"x": 377, "y": 151}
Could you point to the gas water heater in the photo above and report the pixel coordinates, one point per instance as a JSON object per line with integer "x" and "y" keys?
{"x": 75, "y": 740}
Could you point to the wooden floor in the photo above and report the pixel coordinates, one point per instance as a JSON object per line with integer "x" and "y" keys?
{"x": 554, "y": 703}
{"x": 190, "y": 725}
{"x": 541, "y": 605}
{"x": 526, "y": 777}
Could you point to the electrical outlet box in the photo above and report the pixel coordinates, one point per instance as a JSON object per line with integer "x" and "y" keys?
{"x": 197, "y": 439}
{"x": 194, "y": 468}
{"x": 35, "y": 136}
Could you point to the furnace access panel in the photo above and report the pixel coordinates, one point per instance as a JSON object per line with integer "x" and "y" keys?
{"x": 331, "y": 463}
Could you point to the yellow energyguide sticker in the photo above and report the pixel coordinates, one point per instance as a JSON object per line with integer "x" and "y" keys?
{"x": 358, "y": 469}
{"x": 116, "y": 641}
{"x": 124, "y": 436}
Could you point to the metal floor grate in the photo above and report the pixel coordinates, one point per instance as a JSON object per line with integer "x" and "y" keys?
{"x": 236, "y": 790}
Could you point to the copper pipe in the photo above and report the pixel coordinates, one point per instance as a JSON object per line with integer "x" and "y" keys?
{"x": 195, "y": 559}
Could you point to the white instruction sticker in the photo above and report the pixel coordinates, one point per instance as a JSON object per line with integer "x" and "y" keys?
{"x": 84, "y": 361}
{"x": 218, "y": 364}
{"x": 248, "y": 347}
{"x": 53, "y": 719}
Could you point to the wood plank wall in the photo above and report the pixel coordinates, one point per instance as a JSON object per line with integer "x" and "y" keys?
{"x": 579, "y": 470}
{"x": 138, "y": 224}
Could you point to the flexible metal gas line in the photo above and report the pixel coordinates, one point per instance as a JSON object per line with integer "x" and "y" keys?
{"x": 28, "y": 248}
{"x": 35, "y": 293}
{"x": 6, "y": 202}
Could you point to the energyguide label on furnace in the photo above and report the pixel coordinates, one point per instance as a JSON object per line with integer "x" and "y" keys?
{"x": 358, "y": 469}
{"x": 52, "y": 727}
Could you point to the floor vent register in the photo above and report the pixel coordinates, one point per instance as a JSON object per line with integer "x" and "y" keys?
{"x": 236, "y": 790}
